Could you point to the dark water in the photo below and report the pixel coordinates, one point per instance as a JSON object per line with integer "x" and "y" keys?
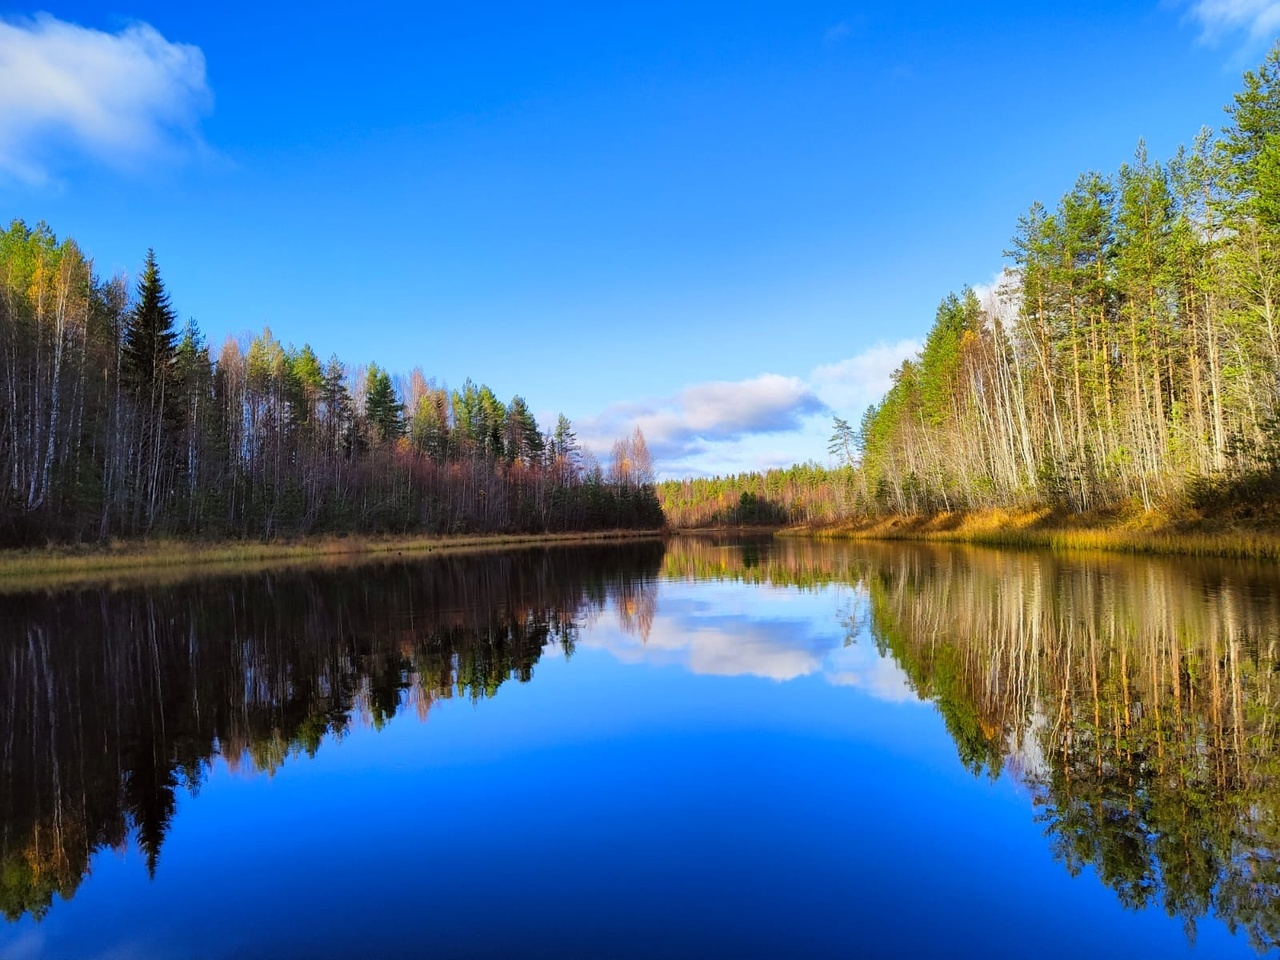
{"x": 746, "y": 749}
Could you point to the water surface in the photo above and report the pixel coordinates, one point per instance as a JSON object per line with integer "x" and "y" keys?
{"x": 726, "y": 748}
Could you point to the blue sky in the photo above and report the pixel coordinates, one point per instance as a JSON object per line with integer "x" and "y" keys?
{"x": 724, "y": 222}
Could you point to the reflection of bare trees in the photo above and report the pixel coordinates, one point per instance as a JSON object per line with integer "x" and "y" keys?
{"x": 637, "y": 605}
{"x": 1139, "y": 698}
{"x": 114, "y": 700}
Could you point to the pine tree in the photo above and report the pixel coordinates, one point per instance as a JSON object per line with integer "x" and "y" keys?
{"x": 843, "y": 444}
{"x": 564, "y": 442}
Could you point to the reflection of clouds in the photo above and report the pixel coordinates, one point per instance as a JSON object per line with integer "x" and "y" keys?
{"x": 1026, "y": 749}
{"x": 721, "y": 646}
{"x": 860, "y": 665}
{"x": 732, "y": 630}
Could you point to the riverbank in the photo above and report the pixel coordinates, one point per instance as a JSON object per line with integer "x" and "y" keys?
{"x": 67, "y": 565}
{"x": 1046, "y": 529}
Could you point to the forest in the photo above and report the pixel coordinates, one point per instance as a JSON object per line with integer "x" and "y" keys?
{"x": 116, "y": 423}
{"x": 1128, "y": 358}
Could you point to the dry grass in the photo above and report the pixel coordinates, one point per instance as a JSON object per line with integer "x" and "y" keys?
{"x": 175, "y": 559}
{"x": 1149, "y": 533}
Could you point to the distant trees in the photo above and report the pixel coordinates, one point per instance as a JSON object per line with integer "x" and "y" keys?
{"x": 114, "y": 422}
{"x": 803, "y": 494}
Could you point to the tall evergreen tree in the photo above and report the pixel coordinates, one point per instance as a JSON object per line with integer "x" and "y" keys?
{"x": 383, "y": 408}
{"x": 564, "y": 442}
{"x": 523, "y": 438}
{"x": 149, "y": 338}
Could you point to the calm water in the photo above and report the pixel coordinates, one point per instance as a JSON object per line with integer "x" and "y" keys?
{"x": 719, "y": 748}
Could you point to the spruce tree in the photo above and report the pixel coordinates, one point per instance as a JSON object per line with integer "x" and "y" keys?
{"x": 523, "y": 438}
{"x": 385, "y": 412}
{"x": 149, "y": 338}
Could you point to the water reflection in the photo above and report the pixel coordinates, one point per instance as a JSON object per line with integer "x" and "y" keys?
{"x": 116, "y": 700}
{"x": 1138, "y": 698}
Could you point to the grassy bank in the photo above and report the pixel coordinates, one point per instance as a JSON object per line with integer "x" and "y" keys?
{"x": 1045, "y": 529}
{"x": 67, "y": 565}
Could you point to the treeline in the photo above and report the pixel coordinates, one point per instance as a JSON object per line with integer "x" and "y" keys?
{"x": 115, "y": 423}
{"x": 1129, "y": 356}
{"x": 806, "y": 493}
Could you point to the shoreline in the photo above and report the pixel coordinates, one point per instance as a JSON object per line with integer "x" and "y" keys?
{"x": 22, "y": 569}
{"x": 1045, "y": 530}
{"x": 69, "y": 565}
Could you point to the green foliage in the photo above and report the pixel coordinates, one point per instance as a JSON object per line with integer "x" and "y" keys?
{"x": 564, "y": 442}
{"x": 938, "y": 375}
{"x": 149, "y": 340}
{"x": 384, "y": 410}
{"x": 844, "y": 442}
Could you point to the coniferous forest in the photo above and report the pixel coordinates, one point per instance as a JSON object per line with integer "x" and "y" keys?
{"x": 116, "y": 423}
{"x": 1129, "y": 357}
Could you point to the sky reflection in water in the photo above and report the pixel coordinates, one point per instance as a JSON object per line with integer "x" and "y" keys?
{"x": 769, "y": 750}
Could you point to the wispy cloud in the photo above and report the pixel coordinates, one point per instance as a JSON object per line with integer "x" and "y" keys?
{"x": 122, "y": 98}
{"x": 1260, "y": 19}
{"x": 683, "y": 425}
{"x": 767, "y": 421}
{"x": 852, "y": 384}
{"x": 775, "y": 633}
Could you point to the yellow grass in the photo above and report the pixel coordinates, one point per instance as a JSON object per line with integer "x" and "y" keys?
{"x": 1141, "y": 533}
{"x": 174, "y": 559}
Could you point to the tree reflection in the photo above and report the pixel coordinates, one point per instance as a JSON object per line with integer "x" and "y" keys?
{"x": 1138, "y": 698}
{"x": 115, "y": 700}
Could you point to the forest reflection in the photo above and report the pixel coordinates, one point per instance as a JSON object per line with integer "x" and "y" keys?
{"x": 116, "y": 700}
{"x": 1138, "y": 698}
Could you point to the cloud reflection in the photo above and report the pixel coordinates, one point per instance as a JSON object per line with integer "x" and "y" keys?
{"x": 773, "y": 633}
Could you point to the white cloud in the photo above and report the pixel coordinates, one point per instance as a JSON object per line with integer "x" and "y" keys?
{"x": 767, "y": 421}
{"x": 709, "y": 413}
{"x": 118, "y": 97}
{"x": 1259, "y": 18}
{"x": 849, "y": 386}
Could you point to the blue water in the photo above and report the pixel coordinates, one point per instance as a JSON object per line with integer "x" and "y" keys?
{"x": 747, "y": 776}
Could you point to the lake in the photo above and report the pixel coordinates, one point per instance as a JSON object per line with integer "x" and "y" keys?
{"x": 712, "y": 747}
